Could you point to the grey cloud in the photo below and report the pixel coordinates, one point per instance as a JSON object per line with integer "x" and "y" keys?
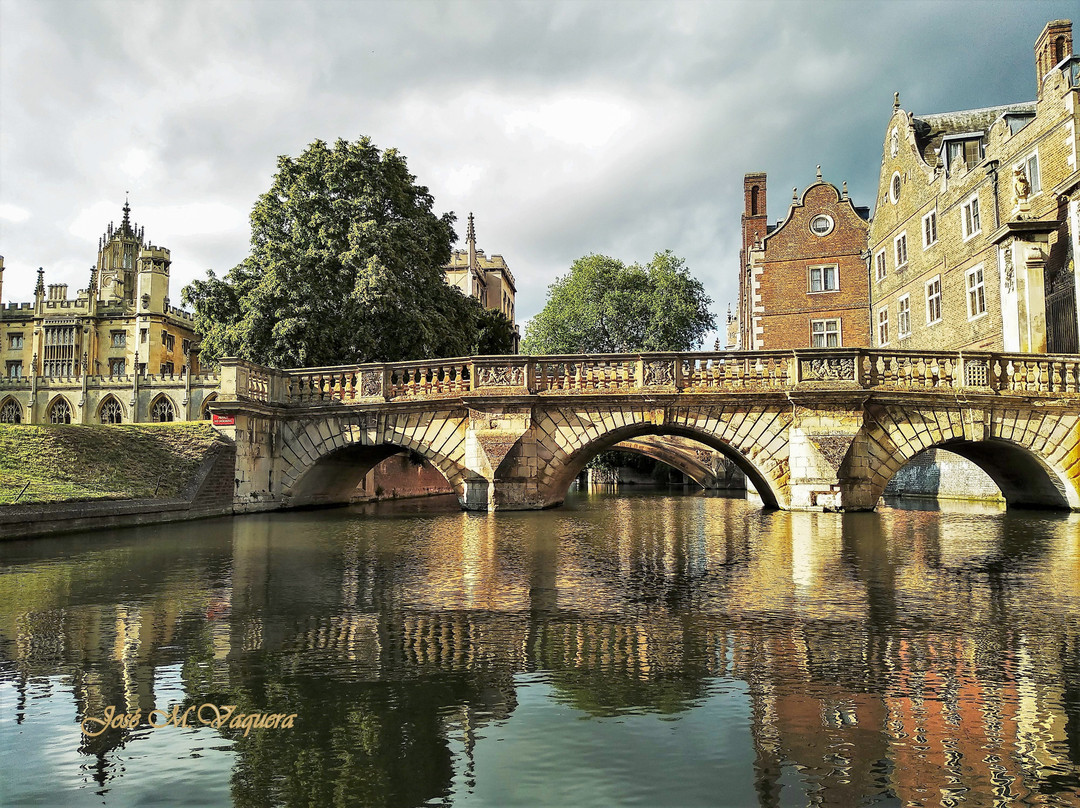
{"x": 214, "y": 92}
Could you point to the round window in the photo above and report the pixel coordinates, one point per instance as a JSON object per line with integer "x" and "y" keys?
{"x": 821, "y": 225}
{"x": 894, "y": 188}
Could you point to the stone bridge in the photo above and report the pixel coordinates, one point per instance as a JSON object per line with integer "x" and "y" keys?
{"x": 811, "y": 430}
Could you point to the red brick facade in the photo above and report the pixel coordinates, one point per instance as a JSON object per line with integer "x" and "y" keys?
{"x": 805, "y": 283}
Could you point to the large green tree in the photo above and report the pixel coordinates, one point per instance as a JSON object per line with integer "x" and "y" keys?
{"x": 604, "y": 306}
{"x": 344, "y": 267}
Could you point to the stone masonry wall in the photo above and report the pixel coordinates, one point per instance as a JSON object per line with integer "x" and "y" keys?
{"x": 942, "y": 474}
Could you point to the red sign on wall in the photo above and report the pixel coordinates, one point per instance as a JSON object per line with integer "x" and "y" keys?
{"x": 224, "y": 420}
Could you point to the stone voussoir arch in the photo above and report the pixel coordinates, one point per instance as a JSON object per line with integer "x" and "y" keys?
{"x": 752, "y": 435}
{"x": 1032, "y": 454}
{"x": 679, "y": 458}
{"x": 363, "y": 440}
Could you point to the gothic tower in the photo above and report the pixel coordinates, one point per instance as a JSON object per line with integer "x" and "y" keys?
{"x": 118, "y": 254}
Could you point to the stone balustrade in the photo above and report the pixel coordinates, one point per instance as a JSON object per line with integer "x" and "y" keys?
{"x": 705, "y": 372}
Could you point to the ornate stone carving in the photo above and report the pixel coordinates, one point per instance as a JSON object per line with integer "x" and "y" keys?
{"x": 659, "y": 373}
{"x": 501, "y": 376}
{"x": 1010, "y": 271}
{"x": 1021, "y": 186}
{"x": 371, "y": 383}
{"x": 838, "y": 368}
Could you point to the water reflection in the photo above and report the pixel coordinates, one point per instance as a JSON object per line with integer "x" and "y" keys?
{"x": 907, "y": 657}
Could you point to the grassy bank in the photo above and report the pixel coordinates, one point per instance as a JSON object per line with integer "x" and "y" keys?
{"x": 63, "y": 463}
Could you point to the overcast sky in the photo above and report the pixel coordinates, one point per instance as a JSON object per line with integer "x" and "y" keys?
{"x": 621, "y": 128}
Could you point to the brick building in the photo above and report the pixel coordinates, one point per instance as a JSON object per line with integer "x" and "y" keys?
{"x": 975, "y": 229}
{"x": 803, "y": 282}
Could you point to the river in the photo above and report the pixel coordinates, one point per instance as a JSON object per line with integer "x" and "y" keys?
{"x": 626, "y": 649}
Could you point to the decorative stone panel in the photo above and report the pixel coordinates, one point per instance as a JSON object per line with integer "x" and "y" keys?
{"x": 659, "y": 373}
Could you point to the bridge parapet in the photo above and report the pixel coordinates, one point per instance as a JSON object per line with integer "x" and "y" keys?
{"x": 706, "y": 372}
{"x": 810, "y": 428}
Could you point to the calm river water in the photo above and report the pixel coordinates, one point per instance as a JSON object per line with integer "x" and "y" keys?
{"x": 663, "y": 649}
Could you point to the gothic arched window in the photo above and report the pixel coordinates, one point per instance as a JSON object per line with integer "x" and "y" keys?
{"x": 111, "y": 411}
{"x": 60, "y": 412}
{"x": 11, "y": 412}
{"x": 162, "y": 410}
{"x": 210, "y": 399}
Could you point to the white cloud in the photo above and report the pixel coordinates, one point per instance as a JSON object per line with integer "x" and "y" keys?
{"x": 13, "y": 213}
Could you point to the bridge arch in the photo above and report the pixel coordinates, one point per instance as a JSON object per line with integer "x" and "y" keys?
{"x": 324, "y": 459}
{"x": 677, "y": 457}
{"x": 1033, "y": 458}
{"x": 750, "y": 436}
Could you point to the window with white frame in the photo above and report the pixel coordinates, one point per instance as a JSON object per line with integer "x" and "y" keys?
{"x": 825, "y": 333}
{"x": 970, "y": 150}
{"x": 1031, "y": 171}
{"x": 883, "y": 325}
{"x": 894, "y": 188}
{"x": 901, "y": 251}
{"x": 903, "y": 317}
{"x": 929, "y": 229}
{"x": 976, "y": 292}
{"x": 879, "y": 265}
{"x": 933, "y": 300}
{"x": 823, "y": 278}
{"x": 970, "y": 218}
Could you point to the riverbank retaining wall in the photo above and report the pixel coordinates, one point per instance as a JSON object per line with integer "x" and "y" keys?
{"x": 209, "y": 492}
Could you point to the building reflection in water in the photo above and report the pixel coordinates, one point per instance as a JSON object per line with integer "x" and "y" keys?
{"x": 923, "y": 657}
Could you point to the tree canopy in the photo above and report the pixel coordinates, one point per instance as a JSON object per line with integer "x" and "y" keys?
{"x": 604, "y": 306}
{"x": 344, "y": 267}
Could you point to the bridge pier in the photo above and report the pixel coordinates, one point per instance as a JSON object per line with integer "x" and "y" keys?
{"x": 477, "y": 495}
{"x": 825, "y": 462}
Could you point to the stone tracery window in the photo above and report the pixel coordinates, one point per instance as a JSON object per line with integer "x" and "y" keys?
{"x": 112, "y": 412}
{"x": 11, "y": 412}
{"x": 60, "y": 412}
{"x": 162, "y": 410}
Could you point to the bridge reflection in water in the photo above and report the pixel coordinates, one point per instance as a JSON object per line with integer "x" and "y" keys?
{"x": 907, "y": 655}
